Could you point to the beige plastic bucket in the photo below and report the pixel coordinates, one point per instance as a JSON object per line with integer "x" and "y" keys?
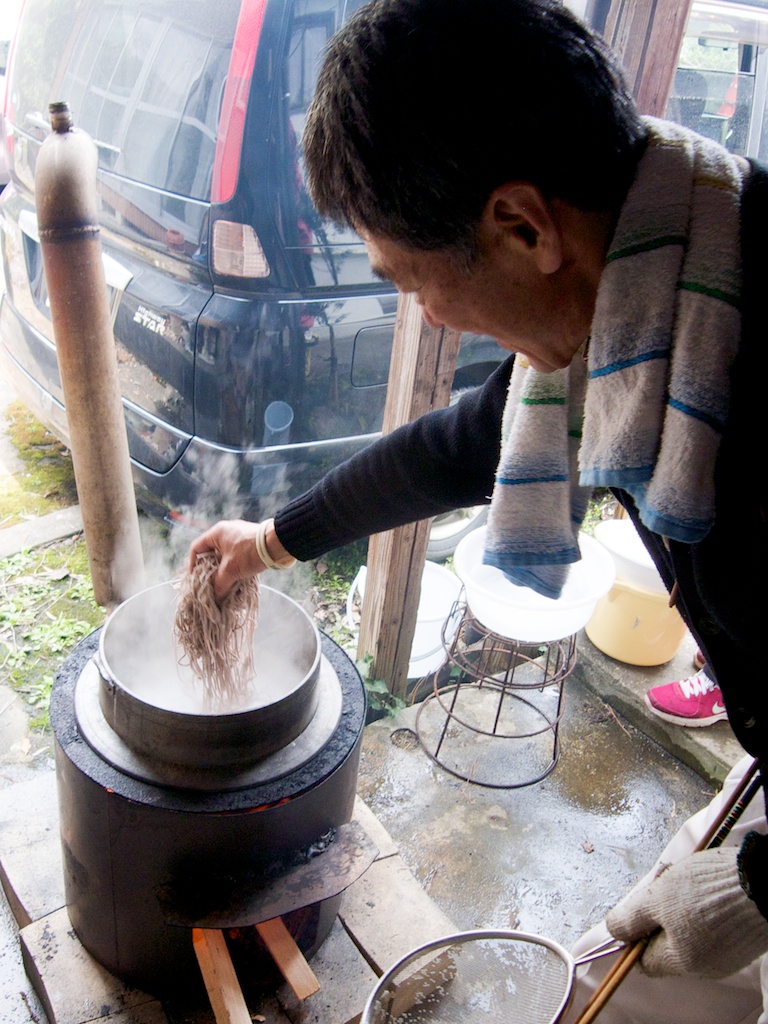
{"x": 635, "y": 625}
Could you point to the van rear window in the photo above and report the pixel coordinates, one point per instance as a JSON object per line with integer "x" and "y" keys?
{"x": 142, "y": 78}
{"x": 148, "y": 81}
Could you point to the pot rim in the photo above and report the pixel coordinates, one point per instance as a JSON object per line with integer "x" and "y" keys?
{"x": 110, "y": 677}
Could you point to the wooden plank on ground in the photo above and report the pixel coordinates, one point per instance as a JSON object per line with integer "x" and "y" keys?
{"x": 221, "y": 984}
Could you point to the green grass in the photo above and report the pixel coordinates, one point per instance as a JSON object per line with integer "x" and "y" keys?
{"x": 46, "y": 597}
{"x": 47, "y": 482}
{"x": 332, "y": 576}
{"x": 46, "y": 607}
{"x": 602, "y": 506}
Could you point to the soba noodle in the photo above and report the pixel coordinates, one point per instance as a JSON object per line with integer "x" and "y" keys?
{"x": 217, "y": 641}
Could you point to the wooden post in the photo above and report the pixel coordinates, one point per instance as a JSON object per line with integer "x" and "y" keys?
{"x": 647, "y": 36}
{"x": 420, "y": 379}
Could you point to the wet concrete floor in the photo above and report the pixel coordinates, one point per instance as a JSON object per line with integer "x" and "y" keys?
{"x": 549, "y": 858}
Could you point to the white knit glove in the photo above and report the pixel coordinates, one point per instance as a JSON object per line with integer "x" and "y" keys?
{"x": 709, "y": 926}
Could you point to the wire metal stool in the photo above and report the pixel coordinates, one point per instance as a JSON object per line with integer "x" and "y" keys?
{"x": 496, "y": 722}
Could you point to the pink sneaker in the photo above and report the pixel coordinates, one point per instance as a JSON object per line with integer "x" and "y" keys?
{"x": 694, "y": 702}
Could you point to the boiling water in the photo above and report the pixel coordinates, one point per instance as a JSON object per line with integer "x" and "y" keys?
{"x": 142, "y": 655}
{"x": 167, "y": 683}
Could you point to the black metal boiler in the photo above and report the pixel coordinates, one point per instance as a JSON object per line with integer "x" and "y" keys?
{"x": 175, "y": 815}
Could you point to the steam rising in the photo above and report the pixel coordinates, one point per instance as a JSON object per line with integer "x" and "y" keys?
{"x": 222, "y": 494}
{"x": 140, "y": 654}
{"x": 155, "y": 669}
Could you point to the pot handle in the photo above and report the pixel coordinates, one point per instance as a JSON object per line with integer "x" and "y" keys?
{"x": 103, "y": 671}
{"x": 358, "y": 584}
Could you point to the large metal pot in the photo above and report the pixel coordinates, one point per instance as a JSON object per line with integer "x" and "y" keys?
{"x": 156, "y": 705}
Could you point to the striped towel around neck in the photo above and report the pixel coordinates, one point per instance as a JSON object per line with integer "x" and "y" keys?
{"x": 650, "y": 414}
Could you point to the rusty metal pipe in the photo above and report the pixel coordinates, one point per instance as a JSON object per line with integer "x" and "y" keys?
{"x": 65, "y": 196}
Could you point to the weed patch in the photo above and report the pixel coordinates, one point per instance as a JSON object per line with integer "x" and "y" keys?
{"x": 602, "y": 506}
{"x": 47, "y": 606}
{"x": 333, "y": 575}
{"x": 48, "y": 479}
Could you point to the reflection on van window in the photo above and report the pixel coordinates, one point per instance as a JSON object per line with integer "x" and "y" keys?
{"x": 149, "y": 83}
{"x": 146, "y": 80}
{"x": 134, "y": 73}
{"x": 322, "y": 255}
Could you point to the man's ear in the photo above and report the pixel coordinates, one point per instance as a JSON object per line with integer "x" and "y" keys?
{"x": 518, "y": 215}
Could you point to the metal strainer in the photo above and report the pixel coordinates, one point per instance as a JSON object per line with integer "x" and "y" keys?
{"x": 503, "y": 976}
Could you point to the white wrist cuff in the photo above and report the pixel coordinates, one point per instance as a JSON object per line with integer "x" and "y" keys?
{"x": 261, "y": 549}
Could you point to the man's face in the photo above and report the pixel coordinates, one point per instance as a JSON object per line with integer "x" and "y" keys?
{"x": 501, "y": 295}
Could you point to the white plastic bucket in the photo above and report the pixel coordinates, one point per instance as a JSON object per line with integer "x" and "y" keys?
{"x": 440, "y": 591}
{"x": 633, "y": 563}
{"x": 519, "y": 612}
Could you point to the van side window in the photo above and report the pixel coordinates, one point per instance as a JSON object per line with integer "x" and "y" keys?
{"x": 141, "y": 79}
{"x": 721, "y": 84}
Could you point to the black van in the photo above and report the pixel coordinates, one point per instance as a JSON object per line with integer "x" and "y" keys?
{"x": 253, "y": 341}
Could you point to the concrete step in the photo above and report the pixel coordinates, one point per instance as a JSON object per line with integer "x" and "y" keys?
{"x": 40, "y": 530}
{"x": 711, "y": 751}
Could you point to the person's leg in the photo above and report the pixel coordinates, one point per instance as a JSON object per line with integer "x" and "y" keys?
{"x": 681, "y": 1000}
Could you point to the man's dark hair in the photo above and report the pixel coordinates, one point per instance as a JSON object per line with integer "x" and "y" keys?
{"x": 424, "y": 107}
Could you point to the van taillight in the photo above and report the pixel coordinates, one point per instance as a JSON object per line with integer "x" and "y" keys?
{"x": 233, "y": 107}
{"x": 7, "y": 133}
{"x": 237, "y": 251}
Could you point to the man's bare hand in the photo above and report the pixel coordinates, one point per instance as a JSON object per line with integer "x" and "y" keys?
{"x": 235, "y": 540}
